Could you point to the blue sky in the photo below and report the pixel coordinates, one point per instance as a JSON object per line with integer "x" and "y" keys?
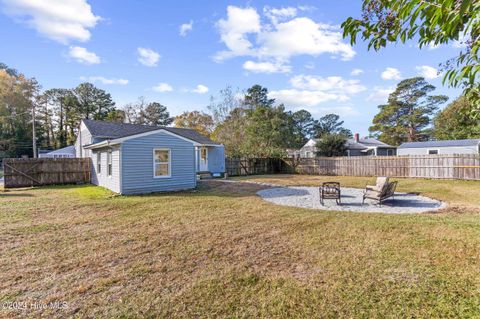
{"x": 180, "y": 52}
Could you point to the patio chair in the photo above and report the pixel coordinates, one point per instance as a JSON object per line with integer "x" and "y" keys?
{"x": 330, "y": 190}
{"x": 386, "y": 192}
{"x": 379, "y": 185}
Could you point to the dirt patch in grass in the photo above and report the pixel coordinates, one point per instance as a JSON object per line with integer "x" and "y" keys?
{"x": 220, "y": 251}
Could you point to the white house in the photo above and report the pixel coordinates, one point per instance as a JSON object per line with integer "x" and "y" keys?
{"x": 470, "y": 146}
{"x": 66, "y": 152}
{"x": 366, "y": 146}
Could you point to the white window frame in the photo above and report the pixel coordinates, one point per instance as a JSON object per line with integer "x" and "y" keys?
{"x": 109, "y": 163}
{"x": 99, "y": 163}
{"x": 169, "y": 162}
{"x": 432, "y": 149}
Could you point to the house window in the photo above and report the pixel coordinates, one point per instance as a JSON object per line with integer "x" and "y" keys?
{"x": 161, "y": 163}
{"x": 390, "y": 152}
{"x": 99, "y": 163}
{"x": 109, "y": 163}
{"x": 203, "y": 154}
{"x": 432, "y": 152}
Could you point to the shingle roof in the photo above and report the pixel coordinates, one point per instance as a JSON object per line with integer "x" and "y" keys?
{"x": 365, "y": 143}
{"x": 112, "y": 130}
{"x": 66, "y": 150}
{"x": 447, "y": 143}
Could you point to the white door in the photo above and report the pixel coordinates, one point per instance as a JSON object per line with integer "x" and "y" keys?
{"x": 203, "y": 159}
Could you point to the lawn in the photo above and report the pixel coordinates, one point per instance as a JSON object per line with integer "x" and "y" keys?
{"x": 220, "y": 251}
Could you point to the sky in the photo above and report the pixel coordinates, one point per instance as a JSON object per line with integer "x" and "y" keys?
{"x": 179, "y": 53}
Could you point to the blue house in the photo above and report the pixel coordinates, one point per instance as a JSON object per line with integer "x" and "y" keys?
{"x": 136, "y": 159}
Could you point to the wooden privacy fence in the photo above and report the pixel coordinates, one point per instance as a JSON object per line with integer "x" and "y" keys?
{"x": 253, "y": 166}
{"x": 465, "y": 167}
{"x": 45, "y": 171}
{"x": 426, "y": 166}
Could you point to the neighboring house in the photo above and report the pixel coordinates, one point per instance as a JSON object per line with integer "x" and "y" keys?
{"x": 367, "y": 146}
{"x": 135, "y": 159}
{"x": 66, "y": 152}
{"x": 471, "y": 146}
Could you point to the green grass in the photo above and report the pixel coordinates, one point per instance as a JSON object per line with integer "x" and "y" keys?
{"x": 220, "y": 251}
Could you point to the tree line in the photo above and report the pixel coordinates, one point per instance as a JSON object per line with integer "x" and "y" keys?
{"x": 248, "y": 123}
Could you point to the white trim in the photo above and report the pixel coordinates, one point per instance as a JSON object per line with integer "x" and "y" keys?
{"x": 110, "y": 169}
{"x": 169, "y": 162}
{"x": 99, "y": 171}
{"x": 120, "y": 168}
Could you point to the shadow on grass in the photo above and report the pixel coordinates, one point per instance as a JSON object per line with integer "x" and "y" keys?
{"x": 8, "y": 194}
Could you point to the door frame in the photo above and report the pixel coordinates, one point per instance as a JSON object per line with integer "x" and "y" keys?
{"x": 202, "y": 164}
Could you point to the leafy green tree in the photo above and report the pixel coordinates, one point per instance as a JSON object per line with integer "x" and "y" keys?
{"x": 407, "y": 113}
{"x": 72, "y": 116}
{"x": 116, "y": 116}
{"x": 330, "y": 124}
{"x": 267, "y": 132}
{"x": 156, "y": 114}
{"x": 231, "y": 132}
{"x": 432, "y": 22}
{"x": 332, "y": 145}
{"x": 454, "y": 122}
{"x": 302, "y": 127}
{"x": 256, "y": 96}
{"x": 94, "y": 103}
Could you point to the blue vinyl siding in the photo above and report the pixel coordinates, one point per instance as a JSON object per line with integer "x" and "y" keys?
{"x": 137, "y": 164}
{"x": 216, "y": 159}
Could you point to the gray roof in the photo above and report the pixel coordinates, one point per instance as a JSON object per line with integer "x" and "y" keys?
{"x": 365, "y": 143}
{"x": 447, "y": 143}
{"x": 66, "y": 150}
{"x": 112, "y": 130}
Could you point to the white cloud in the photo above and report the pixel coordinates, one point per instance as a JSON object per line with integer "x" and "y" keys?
{"x": 279, "y": 14}
{"x": 356, "y": 72}
{"x": 104, "y": 80}
{"x": 148, "y": 57}
{"x": 266, "y": 67}
{"x": 185, "y": 28}
{"x": 303, "y": 36}
{"x": 427, "y": 72}
{"x": 332, "y": 84}
{"x": 200, "y": 89}
{"x": 380, "y": 94}
{"x": 391, "y": 74}
{"x": 61, "y": 21}
{"x": 243, "y": 34}
{"x": 299, "y": 98}
{"x": 234, "y": 30}
{"x": 163, "y": 87}
{"x": 84, "y": 56}
{"x": 343, "y": 111}
{"x": 310, "y": 91}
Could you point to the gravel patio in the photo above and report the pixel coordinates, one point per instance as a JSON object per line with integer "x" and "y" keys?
{"x": 351, "y": 200}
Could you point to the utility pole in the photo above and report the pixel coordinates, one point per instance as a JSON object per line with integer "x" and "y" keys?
{"x": 34, "y": 135}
